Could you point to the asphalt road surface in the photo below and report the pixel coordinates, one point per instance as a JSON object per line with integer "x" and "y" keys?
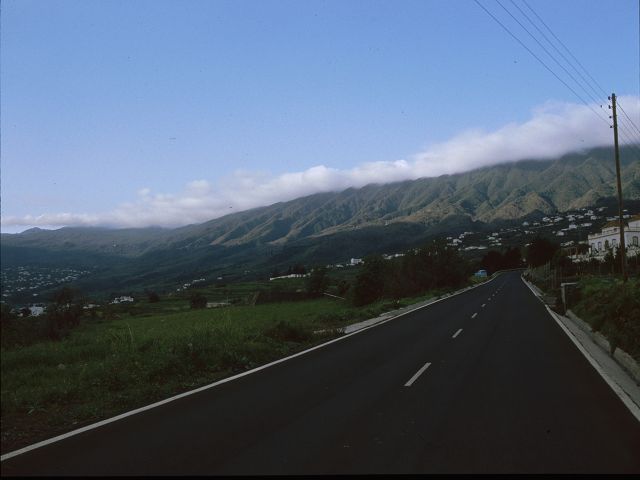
{"x": 485, "y": 381}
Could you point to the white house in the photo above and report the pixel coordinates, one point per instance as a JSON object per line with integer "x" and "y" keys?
{"x": 123, "y": 299}
{"x": 36, "y": 310}
{"x": 609, "y": 237}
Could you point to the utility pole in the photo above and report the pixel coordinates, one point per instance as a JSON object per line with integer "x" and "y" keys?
{"x": 617, "y": 156}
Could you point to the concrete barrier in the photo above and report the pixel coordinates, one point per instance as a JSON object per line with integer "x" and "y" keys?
{"x": 623, "y": 359}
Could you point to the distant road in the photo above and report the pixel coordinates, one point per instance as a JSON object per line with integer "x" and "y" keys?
{"x": 485, "y": 381}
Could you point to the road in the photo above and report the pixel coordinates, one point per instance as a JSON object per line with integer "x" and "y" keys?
{"x": 484, "y": 381}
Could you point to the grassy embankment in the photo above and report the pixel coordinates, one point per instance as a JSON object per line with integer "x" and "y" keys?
{"x": 109, "y": 366}
{"x": 613, "y": 309}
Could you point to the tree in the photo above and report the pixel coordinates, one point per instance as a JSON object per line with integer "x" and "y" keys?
{"x": 582, "y": 248}
{"x": 369, "y": 285}
{"x": 492, "y": 261}
{"x": 563, "y": 263}
{"x": 5, "y": 314}
{"x": 442, "y": 265}
{"x": 7, "y": 321}
{"x": 297, "y": 269}
{"x": 64, "y": 296}
{"x": 198, "y": 300}
{"x": 540, "y": 251}
{"x": 318, "y": 281}
{"x": 512, "y": 258}
{"x": 64, "y": 313}
{"x": 343, "y": 287}
{"x": 396, "y": 284}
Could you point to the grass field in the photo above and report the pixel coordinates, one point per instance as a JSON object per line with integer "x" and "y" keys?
{"x": 612, "y": 308}
{"x": 109, "y": 366}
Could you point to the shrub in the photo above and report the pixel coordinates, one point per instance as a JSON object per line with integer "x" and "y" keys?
{"x": 614, "y": 310}
{"x": 289, "y": 332}
{"x": 317, "y": 282}
{"x": 198, "y": 300}
{"x": 370, "y": 281}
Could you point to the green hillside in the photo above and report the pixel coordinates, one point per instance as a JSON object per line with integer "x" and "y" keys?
{"x": 327, "y": 227}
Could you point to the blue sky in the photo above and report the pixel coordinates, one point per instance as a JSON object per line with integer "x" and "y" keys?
{"x": 134, "y": 113}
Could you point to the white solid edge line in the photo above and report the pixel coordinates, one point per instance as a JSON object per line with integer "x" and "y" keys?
{"x": 457, "y": 333}
{"x": 101, "y": 423}
{"x": 418, "y": 373}
{"x": 629, "y": 403}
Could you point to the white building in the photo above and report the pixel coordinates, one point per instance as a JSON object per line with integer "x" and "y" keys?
{"x": 36, "y": 310}
{"x": 609, "y": 237}
{"x": 291, "y": 275}
{"x": 123, "y": 299}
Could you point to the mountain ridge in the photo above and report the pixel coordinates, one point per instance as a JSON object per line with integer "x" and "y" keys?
{"x": 499, "y": 192}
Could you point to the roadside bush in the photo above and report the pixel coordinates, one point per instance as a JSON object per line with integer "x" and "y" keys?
{"x": 289, "y": 332}
{"x": 197, "y": 300}
{"x": 614, "y": 310}
{"x": 434, "y": 266}
{"x": 343, "y": 288}
{"x": 317, "y": 282}
{"x": 370, "y": 281}
{"x": 22, "y": 332}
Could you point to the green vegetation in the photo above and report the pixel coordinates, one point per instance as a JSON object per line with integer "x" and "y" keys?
{"x": 612, "y": 308}
{"x": 541, "y": 251}
{"x": 128, "y": 355}
{"x": 435, "y": 265}
{"x": 322, "y": 228}
{"x": 105, "y": 367}
{"x": 494, "y": 260}
{"x": 198, "y": 300}
{"x": 318, "y": 281}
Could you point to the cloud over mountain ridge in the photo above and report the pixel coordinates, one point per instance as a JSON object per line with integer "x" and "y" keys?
{"x": 553, "y": 130}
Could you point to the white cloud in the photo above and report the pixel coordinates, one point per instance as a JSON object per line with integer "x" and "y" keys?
{"x": 553, "y": 130}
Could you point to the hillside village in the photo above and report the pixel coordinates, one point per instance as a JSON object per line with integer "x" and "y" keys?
{"x": 586, "y": 233}
{"x": 32, "y": 280}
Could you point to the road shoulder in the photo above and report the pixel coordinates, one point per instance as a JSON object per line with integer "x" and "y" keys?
{"x": 619, "y": 379}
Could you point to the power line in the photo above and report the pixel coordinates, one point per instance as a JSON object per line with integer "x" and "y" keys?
{"x": 626, "y": 135}
{"x": 627, "y": 128}
{"x": 627, "y": 138}
{"x": 539, "y": 60}
{"x": 625, "y": 114}
{"x": 635, "y": 151}
{"x": 560, "y": 53}
{"x": 566, "y": 48}
{"x": 546, "y": 51}
{"x": 629, "y": 142}
{"x": 630, "y": 137}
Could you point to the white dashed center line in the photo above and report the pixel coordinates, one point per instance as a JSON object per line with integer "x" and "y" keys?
{"x": 418, "y": 373}
{"x": 456, "y": 334}
{"x": 474, "y": 315}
